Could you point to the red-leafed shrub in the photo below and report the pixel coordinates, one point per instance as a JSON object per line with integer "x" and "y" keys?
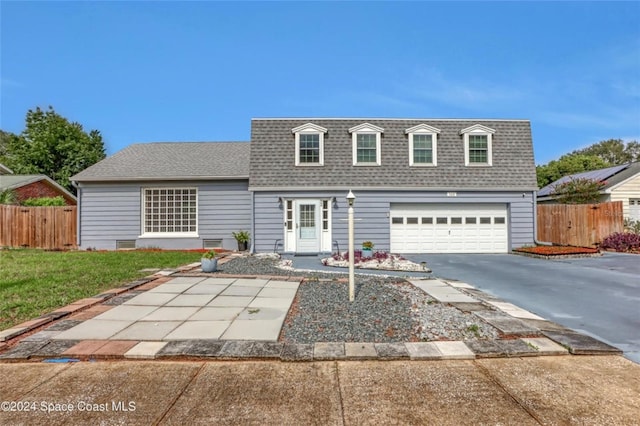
{"x": 622, "y": 241}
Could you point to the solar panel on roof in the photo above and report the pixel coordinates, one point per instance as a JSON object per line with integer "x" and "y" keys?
{"x": 597, "y": 175}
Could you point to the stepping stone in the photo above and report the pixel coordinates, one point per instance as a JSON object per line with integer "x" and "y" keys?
{"x": 506, "y": 324}
{"x": 297, "y": 352}
{"x": 55, "y": 348}
{"x": 390, "y": 351}
{"x": 545, "y": 346}
{"x": 63, "y": 325}
{"x": 145, "y": 350}
{"x": 265, "y": 350}
{"x": 45, "y": 335}
{"x": 422, "y": 350}
{"x": 199, "y": 348}
{"x": 581, "y": 344}
{"x": 235, "y": 349}
{"x": 360, "y": 351}
{"x": 454, "y": 350}
{"x": 23, "y": 350}
{"x": 327, "y": 351}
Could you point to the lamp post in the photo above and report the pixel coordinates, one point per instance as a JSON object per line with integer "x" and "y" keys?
{"x": 350, "y": 199}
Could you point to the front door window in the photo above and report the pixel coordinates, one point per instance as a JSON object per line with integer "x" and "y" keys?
{"x": 307, "y": 221}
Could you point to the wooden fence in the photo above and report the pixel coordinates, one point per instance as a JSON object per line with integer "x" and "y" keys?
{"x": 583, "y": 225}
{"x": 38, "y": 227}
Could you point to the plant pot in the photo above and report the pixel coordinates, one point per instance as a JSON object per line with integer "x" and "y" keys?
{"x": 242, "y": 246}
{"x": 367, "y": 252}
{"x": 209, "y": 265}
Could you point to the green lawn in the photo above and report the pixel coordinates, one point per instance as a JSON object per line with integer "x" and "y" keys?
{"x": 34, "y": 282}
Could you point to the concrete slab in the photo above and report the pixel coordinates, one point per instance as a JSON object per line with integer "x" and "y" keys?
{"x": 389, "y": 351}
{"x": 240, "y": 291}
{"x": 212, "y": 289}
{"x": 423, "y": 350}
{"x": 278, "y": 292}
{"x": 265, "y": 350}
{"x": 249, "y": 282}
{"x": 191, "y": 348}
{"x": 454, "y": 350}
{"x": 271, "y": 302}
{"x": 297, "y": 352}
{"x": 506, "y": 324}
{"x": 428, "y": 283}
{"x": 568, "y": 390}
{"x": 185, "y": 280}
{"x": 147, "y": 330}
{"x": 18, "y": 381}
{"x": 459, "y": 284}
{"x": 581, "y": 344}
{"x": 127, "y": 312}
{"x": 170, "y": 288}
{"x": 267, "y": 393}
{"x": 515, "y": 311}
{"x": 94, "y": 329}
{"x": 151, "y": 299}
{"x": 112, "y": 385}
{"x": 545, "y": 346}
{"x": 191, "y": 300}
{"x": 235, "y": 349}
{"x": 282, "y": 284}
{"x": 198, "y": 330}
{"x": 364, "y": 350}
{"x": 260, "y": 314}
{"x": 217, "y": 281}
{"x": 424, "y": 392}
{"x": 216, "y": 314}
{"x": 11, "y": 332}
{"x": 173, "y": 313}
{"x": 145, "y": 350}
{"x": 328, "y": 350}
{"x": 253, "y": 330}
{"x": 231, "y": 301}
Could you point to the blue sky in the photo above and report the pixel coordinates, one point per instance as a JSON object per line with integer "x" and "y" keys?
{"x": 199, "y": 71}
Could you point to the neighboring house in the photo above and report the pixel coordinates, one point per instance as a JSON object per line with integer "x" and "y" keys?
{"x": 622, "y": 183}
{"x": 34, "y": 186}
{"x": 421, "y": 186}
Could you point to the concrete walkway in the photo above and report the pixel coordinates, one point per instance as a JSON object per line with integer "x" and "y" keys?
{"x": 599, "y": 390}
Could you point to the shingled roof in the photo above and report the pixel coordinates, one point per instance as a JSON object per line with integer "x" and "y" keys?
{"x": 273, "y": 157}
{"x": 172, "y": 161}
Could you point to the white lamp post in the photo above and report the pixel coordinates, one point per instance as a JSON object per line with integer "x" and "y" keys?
{"x": 350, "y": 199}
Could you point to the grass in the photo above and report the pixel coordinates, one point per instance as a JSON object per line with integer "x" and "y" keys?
{"x": 34, "y": 282}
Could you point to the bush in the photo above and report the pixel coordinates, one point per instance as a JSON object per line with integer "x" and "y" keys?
{"x": 622, "y": 241}
{"x": 578, "y": 191}
{"x": 631, "y": 225}
{"x": 44, "y": 202}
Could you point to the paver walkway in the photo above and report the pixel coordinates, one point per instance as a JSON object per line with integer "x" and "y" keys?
{"x": 194, "y": 308}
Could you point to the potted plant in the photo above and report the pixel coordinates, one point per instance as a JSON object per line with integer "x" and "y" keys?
{"x": 367, "y": 249}
{"x": 209, "y": 261}
{"x": 242, "y": 237}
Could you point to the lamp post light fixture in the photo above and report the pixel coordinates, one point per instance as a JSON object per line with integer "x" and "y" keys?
{"x": 351, "y": 199}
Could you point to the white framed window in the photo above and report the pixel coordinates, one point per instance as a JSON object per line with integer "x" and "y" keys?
{"x": 169, "y": 212}
{"x": 366, "y": 144}
{"x": 423, "y": 145}
{"x": 477, "y": 145}
{"x": 309, "y": 144}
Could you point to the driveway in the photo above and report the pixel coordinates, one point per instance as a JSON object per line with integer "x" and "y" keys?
{"x": 597, "y": 296}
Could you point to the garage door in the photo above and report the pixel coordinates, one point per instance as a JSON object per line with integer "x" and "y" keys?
{"x": 449, "y": 228}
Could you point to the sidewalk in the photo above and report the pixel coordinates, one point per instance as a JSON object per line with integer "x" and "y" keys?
{"x": 524, "y": 391}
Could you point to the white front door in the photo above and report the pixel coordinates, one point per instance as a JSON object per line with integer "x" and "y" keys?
{"x": 307, "y": 226}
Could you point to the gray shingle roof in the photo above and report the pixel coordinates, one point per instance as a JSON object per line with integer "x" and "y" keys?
{"x": 612, "y": 175}
{"x": 273, "y": 157}
{"x": 172, "y": 161}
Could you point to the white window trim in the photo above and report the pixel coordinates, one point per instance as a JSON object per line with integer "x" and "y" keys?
{"x": 424, "y": 129}
{"x": 310, "y": 129}
{"x": 366, "y": 129}
{"x": 478, "y": 129}
{"x": 144, "y": 234}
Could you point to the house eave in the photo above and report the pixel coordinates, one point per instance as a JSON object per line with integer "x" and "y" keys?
{"x": 157, "y": 178}
{"x": 390, "y": 188}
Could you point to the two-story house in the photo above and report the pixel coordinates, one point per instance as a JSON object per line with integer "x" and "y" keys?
{"x": 421, "y": 186}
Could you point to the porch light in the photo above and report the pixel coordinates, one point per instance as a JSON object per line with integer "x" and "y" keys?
{"x": 351, "y": 198}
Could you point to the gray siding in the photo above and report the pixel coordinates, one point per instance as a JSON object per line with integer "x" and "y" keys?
{"x": 372, "y": 209}
{"x": 110, "y": 212}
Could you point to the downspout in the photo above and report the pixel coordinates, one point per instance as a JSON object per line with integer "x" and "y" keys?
{"x": 535, "y": 222}
{"x": 78, "y": 207}
{"x": 253, "y": 228}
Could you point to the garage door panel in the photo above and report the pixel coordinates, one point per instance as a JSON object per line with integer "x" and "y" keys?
{"x": 449, "y": 228}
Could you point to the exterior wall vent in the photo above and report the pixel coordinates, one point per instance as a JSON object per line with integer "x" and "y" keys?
{"x": 125, "y": 244}
{"x": 211, "y": 244}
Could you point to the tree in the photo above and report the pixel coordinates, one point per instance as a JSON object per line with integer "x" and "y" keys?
{"x": 578, "y": 191}
{"x": 568, "y": 164}
{"x": 7, "y": 139}
{"x": 53, "y": 146}
{"x": 613, "y": 151}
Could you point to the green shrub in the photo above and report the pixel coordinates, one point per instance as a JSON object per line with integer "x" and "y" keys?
{"x": 44, "y": 202}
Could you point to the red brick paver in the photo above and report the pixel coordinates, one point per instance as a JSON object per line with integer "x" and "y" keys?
{"x": 115, "y": 348}
{"x": 85, "y": 348}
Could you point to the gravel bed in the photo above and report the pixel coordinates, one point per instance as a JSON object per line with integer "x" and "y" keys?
{"x": 385, "y": 309}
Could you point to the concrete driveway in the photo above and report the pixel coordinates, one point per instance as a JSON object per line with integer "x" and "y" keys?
{"x": 597, "y": 296}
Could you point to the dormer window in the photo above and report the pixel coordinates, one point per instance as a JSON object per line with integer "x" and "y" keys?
{"x": 477, "y": 145}
{"x": 366, "y": 144}
{"x": 423, "y": 142}
{"x": 309, "y": 144}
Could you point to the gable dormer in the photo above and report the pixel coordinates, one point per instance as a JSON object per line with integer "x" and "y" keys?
{"x": 366, "y": 144}
{"x": 477, "y": 145}
{"x": 309, "y": 140}
{"x": 423, "y": 143}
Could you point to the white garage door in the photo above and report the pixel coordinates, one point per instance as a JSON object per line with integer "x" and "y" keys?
{"x": 449, "y": 228}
